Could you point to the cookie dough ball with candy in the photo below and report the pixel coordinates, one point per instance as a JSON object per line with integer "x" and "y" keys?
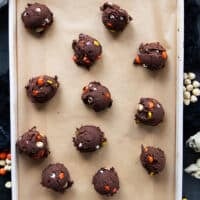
{"x": 33, "y": 144}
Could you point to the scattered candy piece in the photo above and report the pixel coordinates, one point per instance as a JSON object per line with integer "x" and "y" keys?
{"x": 8, "y": 184}
{"x": 2, "y": 171}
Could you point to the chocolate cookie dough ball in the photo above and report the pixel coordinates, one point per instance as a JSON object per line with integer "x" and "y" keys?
{"x": 114, "y": 18}
{"x": 86, "y": 50}
{"x": 152, "y": 56}
{"x": 96, "y": 96}
{"x": 41, "y": 89}
{"x": 33, "y": 144}
{"x": 153, "y": 159}
{"x": 106, "y": 181}
{"x": 149, "y": 112}
{"x": 37, "y": 17}
{"x": 56, "y": 177}
{"x": 89, "y": 138}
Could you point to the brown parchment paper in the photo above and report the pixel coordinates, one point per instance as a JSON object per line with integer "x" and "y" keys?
{"x": 153, "y": 20}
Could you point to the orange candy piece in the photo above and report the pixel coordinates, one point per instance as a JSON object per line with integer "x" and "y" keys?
{"x": 35, "y": 92}
{"x": 9, "y": 156}
{"x": 145, "y": 149}
{"x": 150, "y": 104}
{"x": 38, "y": 137}
{"x": 107, "y": 187}
{"x": 109, "y": 24}
{"x": 2, "y": 171}
{"x": 107, "y": 95}
{"x": 150, "y": 159}
{"x": 61, "y": 175}
{"x": 137, "y": 60}
{"x": 40, "y": 81}
{"x": 3, "y": 156}
{"x": 74, "y": 58}
{"x": 164, "y": 55}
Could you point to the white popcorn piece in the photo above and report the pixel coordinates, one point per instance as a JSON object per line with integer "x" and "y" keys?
{"x": 189, "y": 87}
{"x": 196, "y": 84}
{"x": 39, "y": 30}
{"x": 8, "y": 184}
{"x": 191, "y": 76}
{"x": 7, "y": 168}
{"x": 193, "y": 99}
{"x": 185, "y": 76}
{"x": 186, "y": 95}
{"x": 194, "y": 169}
{"x": 53, "y": 175}
{"x": 186, "y": 102}
{"x": 187, "y": 81}
{"x": 196, "y": 92}
{"x": 194, "y": 142}
{"x": 97, "y": 147}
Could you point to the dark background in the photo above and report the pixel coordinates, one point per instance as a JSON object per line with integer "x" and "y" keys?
{"x": 191, "y": 186}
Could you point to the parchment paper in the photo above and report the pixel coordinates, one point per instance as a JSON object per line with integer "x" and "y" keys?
{"x": 153, "y": 20}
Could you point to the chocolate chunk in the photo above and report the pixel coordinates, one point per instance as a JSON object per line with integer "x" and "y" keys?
{"x": 42, "y": 88}
{"x": 37, "y": 17}
{"x": 33, "y": 144}
{"x": 89, "y": 138}
{"x": 56, "y": 177}
{"x": 96, "y": 96}
{"x": 106, "y": 181}
{"x": 114, "y": 18}
{"x": 153, "y": 159}
{"x": 86, "y": 50}
{"x": 149, "y": 112}
{"x": 152, "y": 56}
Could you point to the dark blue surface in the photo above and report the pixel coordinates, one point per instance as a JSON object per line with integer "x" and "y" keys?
{"x": 5, "y": 194}
{"x": 191, "y": 186}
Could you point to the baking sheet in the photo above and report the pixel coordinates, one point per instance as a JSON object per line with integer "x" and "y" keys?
{"x": 58, "y": 119}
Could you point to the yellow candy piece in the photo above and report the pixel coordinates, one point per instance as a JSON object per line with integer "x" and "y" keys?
{"x": 96, "y": 43}
{"x": 113, "y": 31}
{"x": 149, "y": 115}
{"x": 151, "y": 174}
{"x": 104, "y": 143}
{"x": 50, "y": 82}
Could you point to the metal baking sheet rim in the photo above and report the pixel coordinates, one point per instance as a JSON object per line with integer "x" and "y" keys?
{"x": 179, "y": 97}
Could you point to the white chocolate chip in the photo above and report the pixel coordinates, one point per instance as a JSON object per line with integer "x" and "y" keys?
{"x": 112, "y": 17}
{"x": 8, "y": 162}
{"x": 186, "y": 102}
{"x": 38, "y": 9}
{"x": 53, "y": 175}
{"x": 193, "y": 99}
{"x": 8, "y": 184}
{"x": 196, "y": 84}
{"x": 191, "y": 76}
{"x": 80, "y": 145}
{"x": 121, "y": 18}
{"x": 186, "y": 95}
{"x": 90, "y": 100}
{"x": 47, "y": 20}
{"x": 145, "y": 66}
{"x": 95, "y": 89}
{"x": 140, "y": 107}
{"x": 157, "y": 51}
{"x": 110, "y": 3}
{"x": 185, "y": 75}
{"x": 66, "y": 185}
{"x": 7, "y": 167}
{"x": 196, "y": 92}
{"x": 101, "y": 171}
{"x": 25, "y": 14}
{"x": 187, "y": 81}
{"x": 97, "y": 147}
{"x": 39, "y": 30}
{"x": 158, "y": 105}
{"x": 40, "y": 144}
{"x": 2, "y": 162}
{"x": 189, "y": 87}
